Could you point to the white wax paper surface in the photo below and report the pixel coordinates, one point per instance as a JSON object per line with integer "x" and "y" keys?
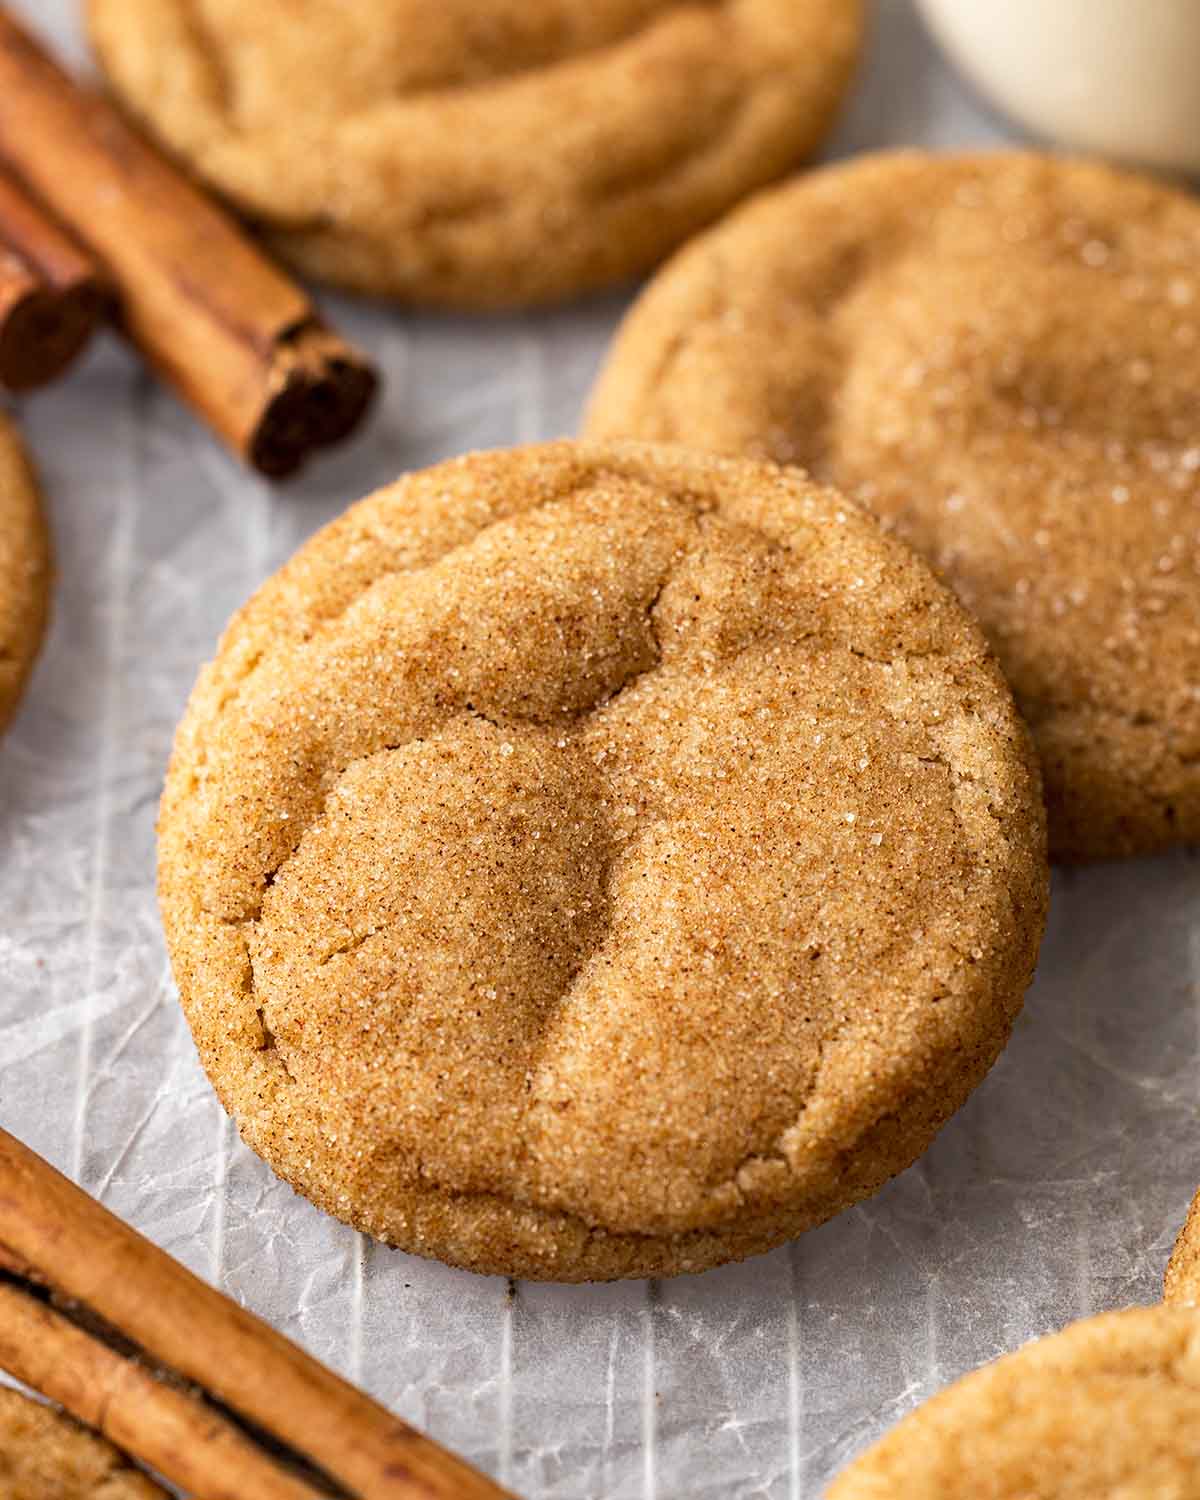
{"x": 1055, "y": 1193}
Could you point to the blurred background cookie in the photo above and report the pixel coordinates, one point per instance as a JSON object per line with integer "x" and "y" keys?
{"x": 1110, "y": 1406}
{"x": 24, "y": 571}
{"x": 481, "y": 153}
{"x": 587, "y": 861}
{"x": 999, "y": 355}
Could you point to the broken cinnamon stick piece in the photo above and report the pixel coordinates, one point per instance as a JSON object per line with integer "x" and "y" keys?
{"x": 101, "y": 1321}
{"x": 237, "y": 339}
{"x": 50, "y": 294}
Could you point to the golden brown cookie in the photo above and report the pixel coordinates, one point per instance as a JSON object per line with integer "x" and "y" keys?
{"x": 599, "y": 860}
{"x": 45, "y": 1455}
{"x": 1183, "y": 1274}
{"x": 1000, "y": 355}
{"x": 24, "y": 571}
{"x": 481, "y": 153}
{"x": 1109, "y": 1409}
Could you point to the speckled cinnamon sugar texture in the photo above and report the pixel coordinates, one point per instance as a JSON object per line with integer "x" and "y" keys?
{"x": 599, "y": 860}
{"x": 1107, "y": 1410}
{"x": 481, "y": 153}
{"x": 44, "y": 1455}
{"x": 1000, "y": 355}
{"x": 24, "y": 571}
{"x": 1183, "y": 1273}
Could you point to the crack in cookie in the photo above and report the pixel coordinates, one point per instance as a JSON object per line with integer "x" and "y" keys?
{"x": 493, "y": 887}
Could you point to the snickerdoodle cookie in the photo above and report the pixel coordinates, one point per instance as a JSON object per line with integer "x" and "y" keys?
{"x": 1183, "y": 1274}
{"x": 600, "y": 860}
{"x": 1108, "y": 1408}
{"x": 481, "y": 153}
{"x": 45, "y": 1455}
{"x": 24, "y": 571}
{"x": 1001, "y": 356}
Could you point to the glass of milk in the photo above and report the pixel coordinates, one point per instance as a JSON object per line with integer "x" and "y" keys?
{"x": 1118, "y": 77}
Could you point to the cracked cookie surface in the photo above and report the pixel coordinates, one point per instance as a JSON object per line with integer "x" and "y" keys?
{"x": 475, "y": 154}
{"x": 999, "y": 356}
{"x": 24, "y": 571}
{"x": 45, "y": 1455}
{"x": 1109, "y": 1407}
{"x": 598, "y": 860}
{"x": 1183, "y": 1273}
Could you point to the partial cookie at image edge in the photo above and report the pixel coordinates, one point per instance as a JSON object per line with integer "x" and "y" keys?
{"x": 1110, "y": 1404}
{"x": 1182, "y": 1283}
{"x": 46, "y": 1455}
{"x": 25, "y": 571}
{"x": 442, "y": 180}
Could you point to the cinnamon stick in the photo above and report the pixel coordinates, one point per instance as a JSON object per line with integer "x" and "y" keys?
{"x": 238, "y": 340}
{"x": 101, "y": 1321}
{"x": 50, "y": 293}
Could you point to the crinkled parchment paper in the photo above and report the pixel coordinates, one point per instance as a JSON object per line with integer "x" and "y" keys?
{"x": 1055, "y": 1193}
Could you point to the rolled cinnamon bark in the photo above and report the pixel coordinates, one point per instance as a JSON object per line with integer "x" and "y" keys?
{"x": 238, "y": 340}
{"x": 136, "y": 1409}
{"x": 101, "y": 1321}
{"x": 50, "y": 293}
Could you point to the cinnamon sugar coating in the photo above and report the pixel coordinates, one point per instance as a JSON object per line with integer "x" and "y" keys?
{"x": 599, "y": 860}
{"x": 1000, "y": 356}
{"x": 1183, "y": 1273}
{"x": 481, "y": 153}
{"x": 45, "y": 1455}
{"x": 24, "y": 571}
{"x": 1109, "y": 1407}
